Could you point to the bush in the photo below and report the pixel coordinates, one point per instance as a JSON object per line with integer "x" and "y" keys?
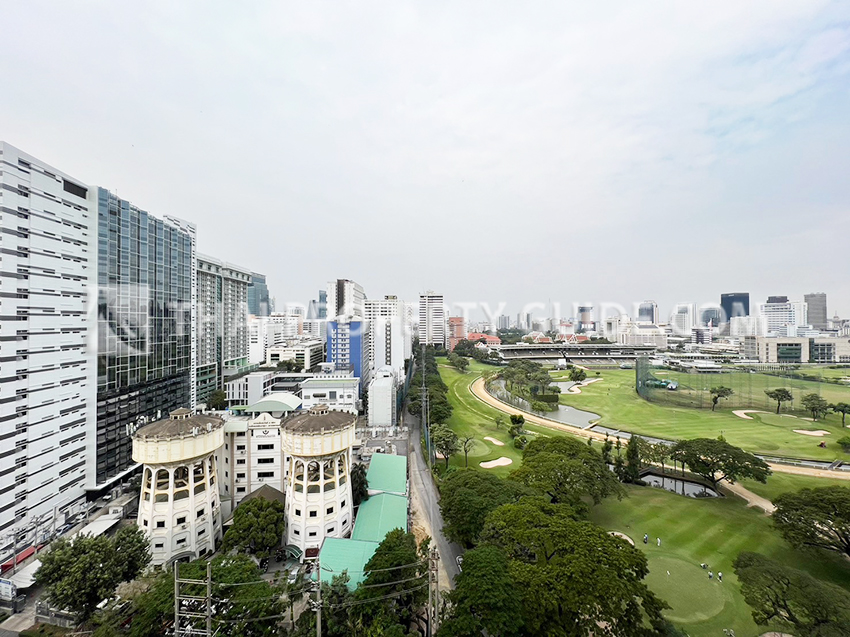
{"x": 845, "y": 443}
{"x": 548, "y": 398}
{"x": 520, "y": 442}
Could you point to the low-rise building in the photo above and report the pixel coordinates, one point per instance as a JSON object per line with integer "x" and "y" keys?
{"x": 340, "y": 392}
{"x": 308, "y": 353}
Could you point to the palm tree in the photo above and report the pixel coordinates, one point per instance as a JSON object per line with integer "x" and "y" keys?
{"x": 359, "y": 483}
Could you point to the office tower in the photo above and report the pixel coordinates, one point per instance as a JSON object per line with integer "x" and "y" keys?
{"x": 258, "y": 296}
{"x": 741, "y": 326}
{"x": 348, "y": 346}
{"x": 684, "y": 318}
{"x": 457, "y": 331}
{"x": 647, "y": 312}
{"x": 504, "y": 322}
{"x": 782, "y": 316}
{"x": 711, "y": 316}
{"x": 222, "y": 323}
{"x": 390, "y": 336}
{"x": 146, "y": 272}
{"x": 323, "y": 304}
{"x": 817, "y": 316}
{"x": 345, "y": 298}
{"x": 735, "y": 304}
{"x": 47, "y": 415}
{"x": 432, "y": 319}
{"x": 529, "y": 321}
{"x": 585, "y": 317}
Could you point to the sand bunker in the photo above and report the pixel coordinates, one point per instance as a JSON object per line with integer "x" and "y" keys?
{"x": 498, "y": 462}
{"x": 622, "y": 536}
{"x": 809, "y": 432}
{"x": 498, "y": 443}
{"x": 742, "y": 413}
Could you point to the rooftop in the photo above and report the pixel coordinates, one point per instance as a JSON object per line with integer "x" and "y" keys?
{"x": 276, "y": 402}
{"x": 180, "y": 422}
{"x": 338, "y": 555}
{"x": 379, "y": 515}
{"x": 317, "y": 419}
{"x": 387, "y": 473}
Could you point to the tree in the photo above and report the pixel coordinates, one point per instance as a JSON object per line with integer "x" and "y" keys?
{"x": 567, "y": 471}
{"x": 236, "y": 578}
{"x": 717, "y": 393}
{"x": 291, "y": 365}
{"x": 445, "y": 441}
{"x": 815, "y": 518}
{"x": 257, "y": 527}
{"x": 485, "y": 599}
{"x": 784, "y": 597}
{"x": 571, "y": 573}
{"x": 841, "y": 408}
{"x": 717, "y": 460}
{"x": 217, "y": 400}
{"x": 466, "y": 497}
{"x": 844, "y": 441}
{"x": 359, "y": 483}
{"x": 466, "y": 444}
{"x": 780, "y": 395}
{"x": 78, "y": 574}
{"x": 577, "y": 375}
{"x": 815, "y": 404}
{"x": 631, "y": 472}
{"x": 461, "y": 364}
{"x": 499, "y": 421}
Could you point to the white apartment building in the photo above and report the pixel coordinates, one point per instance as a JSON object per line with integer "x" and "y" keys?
{"x": 307, "y": 352}
{"x": 642, "y": 334}
{"x": 345, "y": 298}
{"x": 433, "y": 328}
{"x": 339, "y": 391}
{"x": 391, "y": 336}
{"x": 382, "y": 399}
{"x": 263, "y": 334}
{"x": 740, "y": 326}
{"x": 48, "y": 382}
{"x": 291, "y": 320}
{"x": 316, "y": 328}
{"x": 222, "y": 315}
{"x": 684, "y": 319}
{"x": 782, "y": 314}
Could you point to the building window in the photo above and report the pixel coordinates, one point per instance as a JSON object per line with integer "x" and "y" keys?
{"x": 240, "y": 433}
{"x": 329, "y": 510}
{"x": 201, "y": 532}
{"x": 296, "y": 532}
{"x": 158, "y": 545}
{"x": 265, "y": 474}
{"x": 240, "y": 447}
{"x": 298, "y": 512}
{"x": 181, "y": 541}
{"x": 181, "y": 520}
{"x": 240, "y": 489}
{"x": 265, "y": 447}
{"x": 312, "y": 534}
{"x": 330, "y": 529}
{"x": 240, "y": 461}
{"x": 265, "y": 460}
{"x": 342, "y": 504}
{"x": 240, "y": 475}
{"x": 200, "y": 513}
{"x": 160, "y": 524}
{"x": 145, "y": 522}
{"x": 313, "y": 514}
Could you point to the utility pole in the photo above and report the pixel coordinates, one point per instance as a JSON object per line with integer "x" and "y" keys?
{"x": 192, "y": 612}
{"x": 317, "y": 606}
{"x": 433, "y": 589}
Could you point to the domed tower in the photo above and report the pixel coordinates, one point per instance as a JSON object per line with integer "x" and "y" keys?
{"x": 179, "y": 505}
{"x": 317, "y": 445}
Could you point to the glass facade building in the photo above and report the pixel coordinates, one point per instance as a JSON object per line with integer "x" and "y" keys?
{"x": 258, "y": 296}
{"x": 144, "y": 327}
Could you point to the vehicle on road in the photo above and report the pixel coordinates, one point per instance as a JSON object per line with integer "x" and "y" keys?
{"x": 459, "y": 562}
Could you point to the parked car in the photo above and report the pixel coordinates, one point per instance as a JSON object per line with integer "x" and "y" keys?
{"x": 293, "y": 574}
{"x": 459, "y": 561}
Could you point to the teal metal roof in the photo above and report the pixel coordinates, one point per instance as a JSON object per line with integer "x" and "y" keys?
{"x": 387, "y": 473}
{"x": 276, "y": 402}
{"x": 338, "y": 555}
{"x": 379, "y": 515}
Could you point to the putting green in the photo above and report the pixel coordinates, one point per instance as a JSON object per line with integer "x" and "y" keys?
{"x": 693, "y": 597}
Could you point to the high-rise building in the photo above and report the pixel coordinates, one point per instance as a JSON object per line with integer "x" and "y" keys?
{"x": 348, "y": 346}
{"x": 382, "y": 399}
{"x": 585, "y": 318}
{"x": 741, "y": 326}
{"x": 457, "y": 331}
{"x": 47, "y": 414}
{"x": 259, "y": 303}
{"x": 711, "y": 316}
{"x": 146, "y": 273}
{"x": 647, "y": 312}
{"x": 783, "y": 317}
{"x": 222, "y": 331}
{"x": 432, "y": 319}
{"x": 345, "y": 298}
{"x": 504, "y": 322}
{"x": 263, "y": 334}
{"x": 390, "y": 337}
{"x": 817, "y": 316}
{"x": 735, "y": 304}
{"x": 684, "y": 318}
{"x": 323, "y": 305}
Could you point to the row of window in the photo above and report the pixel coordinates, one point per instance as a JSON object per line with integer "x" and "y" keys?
{"x": 314, "y": 513}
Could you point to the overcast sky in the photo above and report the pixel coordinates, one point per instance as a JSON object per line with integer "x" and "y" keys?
{"x": 491, "y": 151}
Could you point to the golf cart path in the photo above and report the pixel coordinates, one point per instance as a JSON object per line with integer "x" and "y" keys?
{"x": 480, "y": 392}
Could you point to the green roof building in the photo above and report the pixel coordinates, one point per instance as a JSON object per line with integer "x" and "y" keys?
{"x": 339, "y": 555}
{"x": 379, "y": 515}
{"x": 387, "y": 473}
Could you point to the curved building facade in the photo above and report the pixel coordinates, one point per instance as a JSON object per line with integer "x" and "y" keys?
{"x": 317, "y": 447}
{"x": 179, "y": 505}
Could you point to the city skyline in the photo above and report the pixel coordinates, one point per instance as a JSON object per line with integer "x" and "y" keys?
{"x": 629, "y": 125}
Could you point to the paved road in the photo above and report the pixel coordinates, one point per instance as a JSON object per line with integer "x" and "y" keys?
{"x": 423, "y": 484}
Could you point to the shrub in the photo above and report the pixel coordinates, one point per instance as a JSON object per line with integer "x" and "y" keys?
{"x": 520, "y": 442}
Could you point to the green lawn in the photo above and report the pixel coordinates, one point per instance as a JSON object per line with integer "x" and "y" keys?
{"x": 779, "y": 483}
{"x": 713, "y": 531}
{"x": 472, "y": 417}
{"x": 615, "y": 400}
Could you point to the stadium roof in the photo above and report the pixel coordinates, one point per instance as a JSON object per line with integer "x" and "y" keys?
{"x": 338, "y": 555}
{"x": 379, "y": 515}
{"x": 387, "y": 474}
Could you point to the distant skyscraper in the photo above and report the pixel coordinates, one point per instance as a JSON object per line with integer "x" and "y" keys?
{"x": 348, "y": 346}
{"x": 817, "y": 315}
{"x": 457, "y": 331}
{"x": 345, "y": 298}
{"x": 323, "y": 304}
{"x": 684, "y": 318}
{"x": 783, "y": 316}
{"x": 258, "y": 296}
{"x": 432, "y": 319}
{"x": 585, "y": 317}
{"x": 735, "y": 304}
{"x": 648, "y": 312}
{"x": 711, "y": 315}
{"x": 390, "y": 337}
{"x": 504, "y": 322}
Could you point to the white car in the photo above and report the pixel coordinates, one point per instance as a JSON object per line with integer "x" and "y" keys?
{"x": 459, "y": 562}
